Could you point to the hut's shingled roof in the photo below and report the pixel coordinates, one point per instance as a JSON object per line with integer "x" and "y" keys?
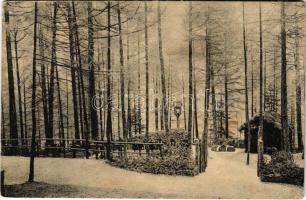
{"x": 271, "y": 118}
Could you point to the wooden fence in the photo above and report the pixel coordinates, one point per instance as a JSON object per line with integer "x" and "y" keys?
{"x": 74, "y": 147}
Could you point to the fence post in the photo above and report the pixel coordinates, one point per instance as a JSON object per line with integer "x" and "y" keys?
{"x": 37, "y": 148}
{"x": 125, "y": 150}
{"x": 73, "y": 149}
{"x": 200, "y": 157}
{"x": 53, "y": 149}
{"x": 104, "y": 151}
{"x": 96, "y": 150}
{"x": 120, "y": 151}
{"x": 161, "y": 150}
{"x": 197, "y": 151}
{"x": 64, "y": 147}
{"x": 2, "y": 182}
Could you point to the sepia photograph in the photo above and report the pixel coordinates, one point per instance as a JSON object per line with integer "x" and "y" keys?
{"x": 153, "y": 99}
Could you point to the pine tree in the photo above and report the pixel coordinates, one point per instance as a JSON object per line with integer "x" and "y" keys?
{"x": 49, "y": 134}
{"x": 108, "y": 91}
{"x": 12, "y": 103}
{"x": 147, "y": 65}
{"x": 73, "y": 67}
{"x": 18, "y": 87}
{"x": 284, "y": 115}
{"x": 92, "y": 80}
{"x": 246, "y": 89}
{"x": 162, "y": 73}
{"x": 33, "y": 105}
{"x": 190, "y": 74}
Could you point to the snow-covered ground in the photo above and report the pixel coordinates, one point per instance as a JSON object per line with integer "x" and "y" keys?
{"x": 227, "y": 176}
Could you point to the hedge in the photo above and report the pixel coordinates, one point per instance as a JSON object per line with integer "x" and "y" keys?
{"x": 176, "y": 158}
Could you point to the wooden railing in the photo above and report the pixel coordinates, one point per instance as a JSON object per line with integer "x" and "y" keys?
{"x": 59, "y": 147}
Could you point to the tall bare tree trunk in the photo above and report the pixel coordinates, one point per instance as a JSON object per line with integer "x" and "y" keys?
{"x": 47, "y": 86}
{"x": 213, "y": 99}
{"x": 80, "y": 70}
{"x": 67, "y": 109}
{"x": 80, "y": 102}
{"x": 190, "y": 73}
{"x": 105, "y": 105}
{"x": 112, "y": 92}
{"x": 33, "y": 105}
{"x": 19, "y": 88}
{"x": 245, "y": 50}
{"x": 79, "y": 95}
{"x": 100, "y": 94}
{"x": 49, "y": 134}
{"x": 38, "y": 121}
{"x": 61, "y": 117}
{"x": 298, "y": 102}
{"x": 122, "y": 77}
{"x": 12, "y": 103}
{"x": 73, "y": 78}
{"x": 292, "y": 125}
{"x": 162, "y": 72}
{"x": 101, "y": 103}
{"x": 135, "y": 114}
{"x": 260, "y": 131}
{"x": 226, "y": 99}
{"x": 100, "y": 97}
{"x": 206, "y": 102}
{"x": 284, "y": 114}
{"x": 275, "y": 103}
{"x": 265, "y": 84}
{"x": 25, "y": 112}
{"x": 3, "y": 129}
{"x": 108, "y": 95}
{"x": 43, "y": 80}
{"x": 118, "y": 111}
{"x": 196, "y": 127}
{"x": 252, "y": 86}
{"x": 184, "y": 107}
{"x": 129, "y": 108}
{"x": 221, "y": 115}
{"x": 168, "y": 99}
{"x": 147, "y": 66}
{"x": 156, "y": 102}
{"x": 162, "y": 122}
{"x": 138, "y": 97}
{"x": 92, "y": 81}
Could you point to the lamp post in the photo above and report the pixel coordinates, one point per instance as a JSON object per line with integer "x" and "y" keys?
{"x": 177, "y": 112}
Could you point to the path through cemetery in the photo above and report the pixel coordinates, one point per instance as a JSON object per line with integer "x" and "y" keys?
{"x": 95, "y": 178}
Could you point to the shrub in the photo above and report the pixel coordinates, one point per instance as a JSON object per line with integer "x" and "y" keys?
{"x": 156, "y": 165}
{"x": 282, "y": 157}
{"x": 282, "y": 169}
{"x": 176, "y": 160}
{"x": 224, "y": 141}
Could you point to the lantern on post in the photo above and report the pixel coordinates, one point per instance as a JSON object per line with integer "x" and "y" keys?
{"x": 177, "y": 112}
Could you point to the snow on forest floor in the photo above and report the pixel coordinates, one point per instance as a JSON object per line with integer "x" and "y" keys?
{"x": 226, "y": 176}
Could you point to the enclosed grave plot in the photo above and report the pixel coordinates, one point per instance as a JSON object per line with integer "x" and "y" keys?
{"x": 176, "y": 156}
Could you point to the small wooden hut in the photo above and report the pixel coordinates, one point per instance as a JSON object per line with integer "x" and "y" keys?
{"x": 271, "y": 132}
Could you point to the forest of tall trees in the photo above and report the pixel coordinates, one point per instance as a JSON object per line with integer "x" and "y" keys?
{"x": 98, "y": 71}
